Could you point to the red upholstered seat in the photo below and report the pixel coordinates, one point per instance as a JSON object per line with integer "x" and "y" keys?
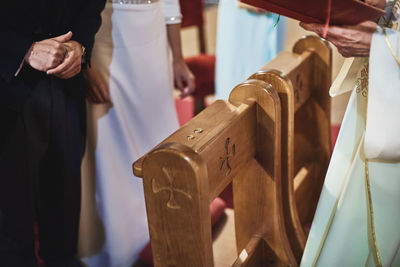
{"x": 217, "y": 208}
{"x": 203, "y": 68}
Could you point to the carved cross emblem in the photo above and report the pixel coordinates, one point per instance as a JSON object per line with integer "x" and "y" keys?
{"x": 170, "y": 188}
{"x": 299, "y": 87}
{"x": 227, "y": 156}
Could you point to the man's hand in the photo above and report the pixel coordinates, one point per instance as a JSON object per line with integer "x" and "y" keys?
{"x": 351, "y": 41}
{"x": 377, "y": 3}
{"x": 96, "y": 87}
{"x": 184, "y": 79}
{"x": 48, "y": 53}
{"x": 72, "y": 62}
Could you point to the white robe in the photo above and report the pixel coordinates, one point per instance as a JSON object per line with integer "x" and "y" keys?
{"x": 131, "y": 52}
{"x": 342, "y": 235}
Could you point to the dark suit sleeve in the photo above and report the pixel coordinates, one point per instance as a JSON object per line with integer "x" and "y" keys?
{"x": 13, "y": 46}
{"x": 87, "y": 23}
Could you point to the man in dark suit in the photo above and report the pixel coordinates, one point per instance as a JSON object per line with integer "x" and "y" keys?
{"x": 42, "y": 117}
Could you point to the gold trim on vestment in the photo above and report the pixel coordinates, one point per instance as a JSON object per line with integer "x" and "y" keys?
{"x": 372, "y": 243}
{"x": 390, "y": 47}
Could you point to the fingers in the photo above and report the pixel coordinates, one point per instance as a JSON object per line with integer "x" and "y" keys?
{"x": 63, "y": 38}
{"x": 45, "y": 54}
{"x": 97, "y": 88}
{"x": 71, "y": 71}
{"x": 376, "y": 3}
{"x": 72, "y": 60}
{"x": 96, "y": 95}
{"x": 184, "y": 79}
{"x": 185, "y": 92}
{"x": 188, "y": 89}
{"x": 179, "y": 83}
{"x": 61, "y": 67}
{"x": 190, "y": 85}
{"x": 105, "y": 93}
{"x": 314, "y": 27}
{"x": 91, "y": 97}
{"x": 99, "y": 93}
{"x": 350, "y": 41}
{"x": 308, "y": 26}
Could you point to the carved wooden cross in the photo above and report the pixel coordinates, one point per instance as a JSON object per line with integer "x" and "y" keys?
{"x": 170, "y": 188}
{"x": 227, "y": 156}
{"x": 298, "y": 88}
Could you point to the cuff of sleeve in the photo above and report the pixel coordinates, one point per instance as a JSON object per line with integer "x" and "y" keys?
{"x": 19, "y": 68}
{"x": 12, "y": 60}
{"x": 88, "y": 44}
{"x": 173, "y": 20}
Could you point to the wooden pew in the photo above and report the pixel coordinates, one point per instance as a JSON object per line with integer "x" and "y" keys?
{"x": 237, "y": 140}
{"x": 241, "y": 141}
{"x": 302, "y": 80}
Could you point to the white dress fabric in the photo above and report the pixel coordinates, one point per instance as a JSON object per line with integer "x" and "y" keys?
{"x": 341, "y": 232}
{"x": 131, "y": 52}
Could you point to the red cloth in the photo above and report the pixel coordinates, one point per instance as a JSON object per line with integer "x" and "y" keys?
{"x": 192, "y": 12}
{"x": 203, "y": 69}
{"x": 343, "y": 12}
{"x": 217, "y": 208}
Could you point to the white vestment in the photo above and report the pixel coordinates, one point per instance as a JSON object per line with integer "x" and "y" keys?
{"x": 341, "y": 233}
{"x": 131, "y": 52}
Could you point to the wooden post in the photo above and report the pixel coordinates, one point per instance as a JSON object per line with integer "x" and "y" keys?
{"x": 257, "y": 188}
{"x": 302, "y": 80}
{"x": 176, "y": 191}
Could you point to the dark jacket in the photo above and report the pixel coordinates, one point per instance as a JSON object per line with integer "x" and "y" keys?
{"x": 26, "y": 21}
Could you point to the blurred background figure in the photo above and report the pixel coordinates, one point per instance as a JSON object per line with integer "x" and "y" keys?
{"x": 247, "y": 39}
{"x": 130, "y": 86}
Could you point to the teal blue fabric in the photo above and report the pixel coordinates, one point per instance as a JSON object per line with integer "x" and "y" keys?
{"x": 246, "y": 41}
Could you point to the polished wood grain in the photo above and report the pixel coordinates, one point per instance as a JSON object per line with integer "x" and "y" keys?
{"x": 257, "y": 189}
{"x": 271, "y": 140}
{"x": 302, "y": 79}
{"x": 235, "y": 141}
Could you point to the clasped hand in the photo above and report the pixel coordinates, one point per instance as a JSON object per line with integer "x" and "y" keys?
{"x": 59, "y": 56}
{"x": 351, "y": 41}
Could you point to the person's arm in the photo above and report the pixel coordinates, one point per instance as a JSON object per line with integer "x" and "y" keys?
{"x": 351, "y": 41}
{"x": 97, "y": 89}
{"x": 184, "y": 79}
{"x": 87, "y": 24}
{"x": 86, "y": 28}
{"x": 80, "y": 46}
{"x": 20, "y": 48}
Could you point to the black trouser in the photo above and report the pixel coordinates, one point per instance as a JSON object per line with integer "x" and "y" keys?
{"x": 40, "y": 157}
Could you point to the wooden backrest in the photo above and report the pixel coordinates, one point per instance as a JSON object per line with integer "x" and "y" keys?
{"x": 239, "y": 141}
{"x": 302, "y": 80}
